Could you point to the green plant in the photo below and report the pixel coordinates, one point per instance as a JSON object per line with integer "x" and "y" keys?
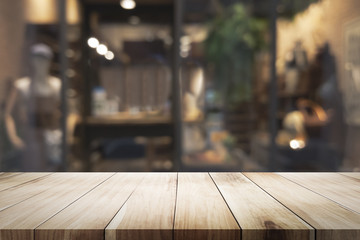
{"x": 289, "y": 8}
{"x": 234, "y": 36}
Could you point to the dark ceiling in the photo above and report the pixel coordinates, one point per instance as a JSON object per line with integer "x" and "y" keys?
{"x": 140, "y": 2}
{"x": 161, "y": 11}
{"x": 150, "y": 11}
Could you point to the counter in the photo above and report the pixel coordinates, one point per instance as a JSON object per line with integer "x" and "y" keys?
{"x": 148, "y": 206}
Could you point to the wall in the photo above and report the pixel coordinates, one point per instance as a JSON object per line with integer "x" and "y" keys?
{"x": 46, "y": 11}
{"x": 307, "y": 27}
{"x": 320, "y": 23}
{"x": 13, "y": 17}
{"x": 11, "y": 41}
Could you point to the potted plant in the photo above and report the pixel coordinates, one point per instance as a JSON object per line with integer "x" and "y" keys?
{"x": 234, "y": 36}
{"x": 233, "y": 39}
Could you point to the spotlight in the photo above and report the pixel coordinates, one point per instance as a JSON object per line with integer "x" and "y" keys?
{"x": 93, "y": 42}
{"x": 109, "y": 55}
{"x": 101, "y": 49}
{"x": 128, "y": 4}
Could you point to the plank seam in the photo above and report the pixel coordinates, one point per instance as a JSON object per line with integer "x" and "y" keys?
{"x": 353, "y": 178}
{"x": 25, "y": 198}
{"x": 143, "y": 178}
{"x": 315, "y": 231}
{"x": 227, "y": 204}
{"x": 26, "y": 181}
{"x": 71, "y": 203}
{"x": 343, "y": 206}
{"x": 6, "y": 177}
{"x": 176, "y": 195}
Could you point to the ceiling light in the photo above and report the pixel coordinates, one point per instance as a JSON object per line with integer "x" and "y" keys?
{"x": 101, "y": 49}
{"x": 109, "y": 55}
{"x": 93, "y": 42}
{"x": 128, "y": 4}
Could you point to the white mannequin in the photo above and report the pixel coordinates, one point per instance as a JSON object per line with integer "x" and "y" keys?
{"x": 191, "y": 97}
{"x": 38, "y": 85}
{"x": 194, "y": 139}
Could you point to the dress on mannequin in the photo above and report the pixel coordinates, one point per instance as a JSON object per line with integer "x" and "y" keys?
{"x": 37, "y": 99}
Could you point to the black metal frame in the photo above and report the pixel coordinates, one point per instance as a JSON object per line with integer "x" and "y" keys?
{"x": 273, "y": 106}
{"x": 63, "y": 46}
{"x": 176, "y": 85}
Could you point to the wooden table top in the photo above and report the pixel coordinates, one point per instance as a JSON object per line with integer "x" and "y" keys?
{"x": 191, "y": 206}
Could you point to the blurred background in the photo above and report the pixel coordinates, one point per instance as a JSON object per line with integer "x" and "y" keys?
{"x": 179, "y": 85}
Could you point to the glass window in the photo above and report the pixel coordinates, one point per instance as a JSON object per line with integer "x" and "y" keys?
{"x": 170, "y": 85}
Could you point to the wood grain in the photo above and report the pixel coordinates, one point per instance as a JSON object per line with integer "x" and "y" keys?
{"x": 260, "y": 216}
{"x": 8, "y": 174}
{"x": 201, "y": 212}
{"x": 149, "y": 212}
{"x": 330, "y": 185}
{"x": 87, "y": 217}
{"x": 19, "y": 193}
{"x": 351, "y": 174}
{"x": 185, "y": 206}
{"x": 19, "y": 221}
{"x": 330, "y": 220}
{"x": 17, "y": 179}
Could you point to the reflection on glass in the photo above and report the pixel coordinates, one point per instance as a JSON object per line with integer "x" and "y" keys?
{"x": 36, "y": 98}
{"x": 222, "y": 40}
{"x": 120, "y": 74}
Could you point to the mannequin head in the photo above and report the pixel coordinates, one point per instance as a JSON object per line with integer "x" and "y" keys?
{"x": 40, "y": 59}
{"x": 197, "y": 81}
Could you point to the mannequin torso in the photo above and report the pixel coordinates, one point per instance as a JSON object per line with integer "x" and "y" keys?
{"x": 36, "y": 99}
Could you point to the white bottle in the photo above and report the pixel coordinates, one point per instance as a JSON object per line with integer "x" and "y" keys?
{"x": 99, "y": 101}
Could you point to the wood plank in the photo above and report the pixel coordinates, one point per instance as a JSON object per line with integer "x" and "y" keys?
{"x": 19, "y": 193}
{"x": 260, "y": 216}
{"x": 201, "y": 212}
{"x": 351, "y": 174}
{"x": 339, "y": 188}
{"x": 87, "y": 217}
{"x": 18, "y": 179}
{"x": 9, "y": 174}
{"x": 149, "y": 212}
{"x": 331, "y": 221}
{"x": 18, "y": 222}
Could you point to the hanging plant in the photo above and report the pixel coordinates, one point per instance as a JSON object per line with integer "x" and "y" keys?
{"x": 289, "y": 8}
{"x": 233, "y": 38}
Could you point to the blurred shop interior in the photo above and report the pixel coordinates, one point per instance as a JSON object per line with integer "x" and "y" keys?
{"x": 180, "y": 85}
